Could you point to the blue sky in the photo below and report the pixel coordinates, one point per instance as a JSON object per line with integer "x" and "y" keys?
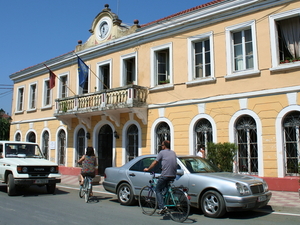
{"x": 33, "y": 31}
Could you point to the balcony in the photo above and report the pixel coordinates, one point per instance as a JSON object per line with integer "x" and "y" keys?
{"x": 111, "y": 103}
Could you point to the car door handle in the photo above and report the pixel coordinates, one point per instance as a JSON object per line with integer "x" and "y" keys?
{"x": 132, "y": 175}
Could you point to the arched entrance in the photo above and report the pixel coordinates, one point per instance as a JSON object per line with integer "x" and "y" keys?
{"x": 105, "y": 148}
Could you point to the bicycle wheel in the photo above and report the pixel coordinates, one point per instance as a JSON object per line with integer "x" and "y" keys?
{"x": 86, "y": 190}
{"x": 81, "y": 191}
{"x": 147, "y": 200}
{"x": 178, "y": 205}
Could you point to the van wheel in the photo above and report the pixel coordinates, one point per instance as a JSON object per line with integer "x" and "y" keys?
{"x": 51, "y": 188}
{"x": 11, "y": 187}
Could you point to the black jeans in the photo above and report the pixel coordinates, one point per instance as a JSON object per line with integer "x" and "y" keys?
{"x": 161, "y": 185}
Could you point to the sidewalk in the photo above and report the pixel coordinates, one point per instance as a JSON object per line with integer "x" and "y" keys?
{"x": 285, "y": 202}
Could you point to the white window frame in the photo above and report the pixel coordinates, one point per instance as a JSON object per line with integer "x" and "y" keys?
{"x": 59, "y": 90}
{"x": 18, "y": 102}
{"x": 153, "y": 72}
{"x": 230, "y": 52}
{"x": 123, "y": 77}
{"x": 30, "y": 96}
{"x": 45, "y": 89}
{"x": 191, "y": 59}
{"x": 100, "y": 76}
{"x": 276, "y": 66}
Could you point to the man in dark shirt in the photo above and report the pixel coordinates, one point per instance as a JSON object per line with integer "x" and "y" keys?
{"x": 169, "y": 169}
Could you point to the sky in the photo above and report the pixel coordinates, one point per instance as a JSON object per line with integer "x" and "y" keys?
{"x": 33, "y": 31}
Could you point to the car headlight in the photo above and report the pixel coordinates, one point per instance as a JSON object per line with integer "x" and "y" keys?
{"x": 22, "y": 169}
{"x": 242, "y": 189}
{"x": 53, "y": 169}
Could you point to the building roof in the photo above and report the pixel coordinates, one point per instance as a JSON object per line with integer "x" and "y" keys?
{"x": 183, "y": 12}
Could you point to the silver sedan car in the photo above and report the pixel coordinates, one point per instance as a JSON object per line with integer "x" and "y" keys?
{"x": 212, "y": 191}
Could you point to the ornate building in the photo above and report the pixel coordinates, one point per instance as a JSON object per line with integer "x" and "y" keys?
{"x": 219, "y": 72}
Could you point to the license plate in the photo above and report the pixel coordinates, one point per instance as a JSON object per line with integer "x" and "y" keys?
{"x": 262, "y": 198}
{"x": 41, "y": 181}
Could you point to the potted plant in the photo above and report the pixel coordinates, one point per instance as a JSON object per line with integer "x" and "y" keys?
{"x": 164, "y": 81}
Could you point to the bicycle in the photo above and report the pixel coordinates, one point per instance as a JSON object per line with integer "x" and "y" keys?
{"x": 176, "y": 200}
{"x": 86, "y": 189}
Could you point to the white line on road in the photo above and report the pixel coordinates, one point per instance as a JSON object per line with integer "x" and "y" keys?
{"x": 103, "y": 192}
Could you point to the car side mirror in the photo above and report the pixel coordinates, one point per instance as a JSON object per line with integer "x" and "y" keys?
{"x": 180, "y": 172}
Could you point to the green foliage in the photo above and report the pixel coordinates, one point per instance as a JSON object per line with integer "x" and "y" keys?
{"x": 222, "y": 155}
{"x": 5, "y": 127}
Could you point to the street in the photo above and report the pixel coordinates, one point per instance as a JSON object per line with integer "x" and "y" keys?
{"x": 34, "y": 206}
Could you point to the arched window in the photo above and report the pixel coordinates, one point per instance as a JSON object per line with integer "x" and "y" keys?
{"x": 291, "y": 127}
{"x": 132, "y": 143}
{"x": 45, "y": 144}
{"x": 80, "y": 144}
{"x": 246, "y": 138}
{"x": 203, "y": 134}
{"x": 31, "y": 137}
{"x": 162, "y": 133}
{"x": 61, "y": 147}
{"x": 18, "y": 137}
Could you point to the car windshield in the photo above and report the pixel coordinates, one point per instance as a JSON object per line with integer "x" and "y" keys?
{"x": 17, "y": 150}
{"x": 198, "y": 165}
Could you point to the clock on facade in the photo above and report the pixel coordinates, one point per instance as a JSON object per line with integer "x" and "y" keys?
{"x": 103, "y": 28}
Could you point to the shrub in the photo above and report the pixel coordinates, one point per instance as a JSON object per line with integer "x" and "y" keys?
{"x": 222, "y": 155}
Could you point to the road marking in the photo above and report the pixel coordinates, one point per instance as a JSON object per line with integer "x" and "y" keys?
{"x": 67, "y": 187}
{"x": 278, "y": 213}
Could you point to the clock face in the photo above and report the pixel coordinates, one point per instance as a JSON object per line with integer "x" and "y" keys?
{"x": 103, "y": 28}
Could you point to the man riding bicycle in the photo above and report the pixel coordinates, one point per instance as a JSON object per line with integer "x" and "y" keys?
{"x": 169, "y": 167}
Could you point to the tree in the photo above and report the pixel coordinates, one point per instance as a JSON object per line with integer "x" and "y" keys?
{"x": 5, "y": 125}
{"x": 222, "y": 155}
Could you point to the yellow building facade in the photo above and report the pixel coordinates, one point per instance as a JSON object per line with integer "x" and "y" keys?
{"x": 220, "y": 72}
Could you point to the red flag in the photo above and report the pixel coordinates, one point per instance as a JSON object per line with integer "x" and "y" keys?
{"x": 52, "y": 78}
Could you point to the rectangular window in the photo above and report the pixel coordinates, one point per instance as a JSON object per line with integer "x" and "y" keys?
{"x": 128, "y": 69}
{"x": 47, "y": 94}
{"x": 161, "y": 65}
{"x": 285, "y": 38}
{"x": 32, "y": 96}
{"x": 63, "y": 86}
{"x": 20, "y": 98}
{"x": 241, "y": 50}
{"x": 104, "y": 75}
{"x": 200, "y": 59}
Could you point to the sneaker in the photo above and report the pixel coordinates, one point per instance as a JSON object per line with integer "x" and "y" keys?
{"x": 162, "y": 211}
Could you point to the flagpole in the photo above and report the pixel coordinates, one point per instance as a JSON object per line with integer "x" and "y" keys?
{"x": 93, "y": 72}
{"x": 59, "y": 79}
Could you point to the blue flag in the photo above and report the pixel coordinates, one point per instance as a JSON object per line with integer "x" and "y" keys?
{"x": 83, "y": 71}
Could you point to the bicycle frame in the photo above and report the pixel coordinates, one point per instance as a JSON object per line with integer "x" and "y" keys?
{"x": 176, "y": 200}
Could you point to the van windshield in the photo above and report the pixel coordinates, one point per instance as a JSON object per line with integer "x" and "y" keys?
{"x": 21, "y": 150}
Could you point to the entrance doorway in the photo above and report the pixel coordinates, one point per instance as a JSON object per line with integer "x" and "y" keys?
{"x": 105, "y": 148}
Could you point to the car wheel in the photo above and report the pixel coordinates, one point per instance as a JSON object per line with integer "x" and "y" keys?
{"x": 11, "y": 187}
{"x": 212, "y": 204}
{"x": 125, "y": 195}
{"x": 51, "y": 188}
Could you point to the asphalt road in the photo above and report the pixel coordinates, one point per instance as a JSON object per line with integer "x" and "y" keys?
{"x": 34, "y": 206}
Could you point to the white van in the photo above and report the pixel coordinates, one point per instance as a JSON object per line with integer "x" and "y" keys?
{"x": 23, "y": 164}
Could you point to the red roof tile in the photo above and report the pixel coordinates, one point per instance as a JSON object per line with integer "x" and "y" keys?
{"x": 183, "y": 12}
